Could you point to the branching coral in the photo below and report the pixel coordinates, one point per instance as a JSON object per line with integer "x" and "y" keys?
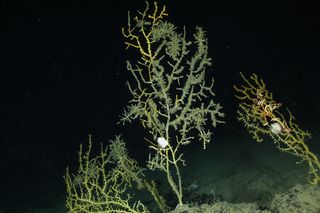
{"x": 130, "y": 171}
{"x": 102, "y": 182}
{"x": 261, "y": 115}
{"x": 171, "y": 96}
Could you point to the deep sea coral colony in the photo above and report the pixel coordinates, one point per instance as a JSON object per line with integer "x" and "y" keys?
{"x": 171, "y": 95}
{"x": 262, "y": 116}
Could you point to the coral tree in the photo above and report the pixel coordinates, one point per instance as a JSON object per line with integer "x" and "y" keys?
{"x": 261, "y": 115}
{"x": 170, "y": 93}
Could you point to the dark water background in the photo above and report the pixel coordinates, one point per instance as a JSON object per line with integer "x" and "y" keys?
{"x": 63, "y": 77}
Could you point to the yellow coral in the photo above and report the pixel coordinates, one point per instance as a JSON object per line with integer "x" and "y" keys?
{"x": 100, "y": 187}
{"x": 140, "y": 36}
{"x": 261, "y": 116}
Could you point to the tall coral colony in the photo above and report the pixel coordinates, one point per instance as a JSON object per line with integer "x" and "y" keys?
{"x": 170, "y": 94}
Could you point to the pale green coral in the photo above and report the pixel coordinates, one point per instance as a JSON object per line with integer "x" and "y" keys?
{"x": 127, "y": 167}
{"x": 170, "y": 94}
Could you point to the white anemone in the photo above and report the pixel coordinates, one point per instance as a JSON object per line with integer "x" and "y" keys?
{"x": 162, "y": 142}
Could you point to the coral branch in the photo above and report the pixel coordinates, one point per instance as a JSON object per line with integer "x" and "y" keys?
{"x": 261, "y": 115}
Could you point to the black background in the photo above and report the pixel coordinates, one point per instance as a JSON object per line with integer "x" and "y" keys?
{"x": 63, "y": 74}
